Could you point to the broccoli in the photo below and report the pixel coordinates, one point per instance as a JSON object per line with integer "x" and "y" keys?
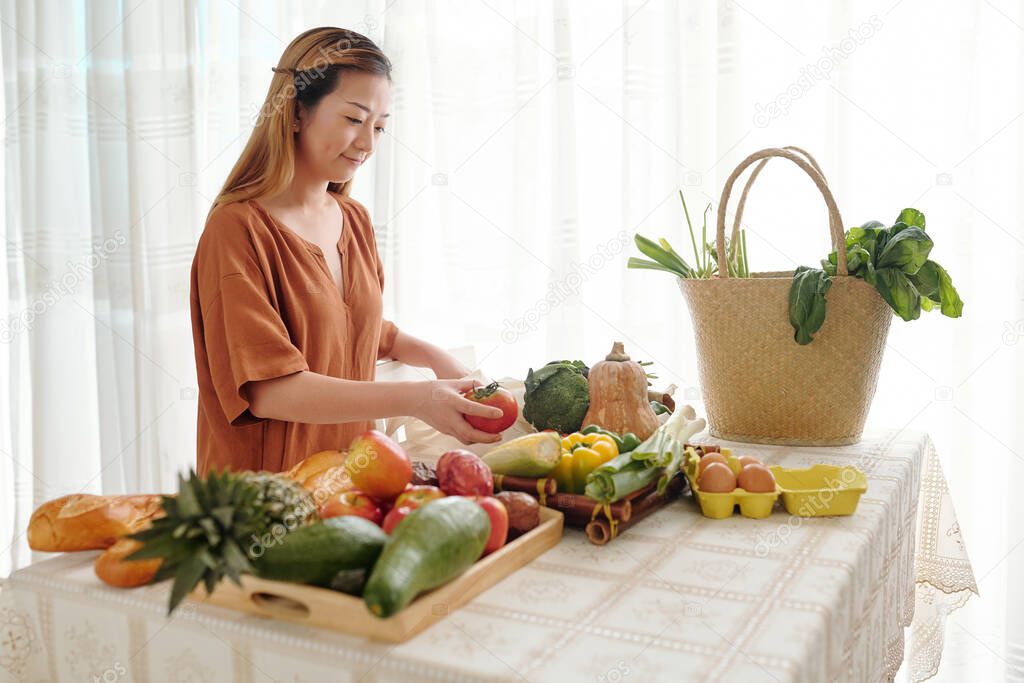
{"x": 557, "y": 396}
{"x": 578, "y": 364}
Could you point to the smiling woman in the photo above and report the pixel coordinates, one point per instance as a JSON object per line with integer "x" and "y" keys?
{"x": 286, "y": 281}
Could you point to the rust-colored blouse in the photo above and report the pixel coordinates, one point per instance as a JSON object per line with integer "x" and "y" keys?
{"x": 264, "y": 305}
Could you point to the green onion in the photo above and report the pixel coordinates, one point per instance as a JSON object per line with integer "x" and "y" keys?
{"x": 665, "y": 258}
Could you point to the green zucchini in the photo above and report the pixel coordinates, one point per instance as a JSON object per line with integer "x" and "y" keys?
{"x": 314, "y": 554}
{"x": 430, "y": 547}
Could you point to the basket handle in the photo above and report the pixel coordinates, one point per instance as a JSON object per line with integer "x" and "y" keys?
{"x": 811, "y": 168}
{"x": 753, "y": 176}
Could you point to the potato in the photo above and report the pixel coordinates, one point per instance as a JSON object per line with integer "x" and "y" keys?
{"x": 523, "y": 510}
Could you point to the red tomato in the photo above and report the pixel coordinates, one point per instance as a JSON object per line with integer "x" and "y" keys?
{"x": 397, "y": 514}
{"x": 499, "y": 522}
{"x": 496, "y": 397}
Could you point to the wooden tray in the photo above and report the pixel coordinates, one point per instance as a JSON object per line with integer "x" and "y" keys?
{"x": 330, "y": 609}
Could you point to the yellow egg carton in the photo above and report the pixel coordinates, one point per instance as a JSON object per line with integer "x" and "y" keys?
{"x": 721, "y": 505}
{"x": 820, "y": 490}
{"x": 817, "y": 491}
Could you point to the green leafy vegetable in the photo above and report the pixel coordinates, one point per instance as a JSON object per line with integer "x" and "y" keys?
{"x": 936, "y": 287}
{"x": 911, "y": 217}
{"x": 807, "y": 302}
{"x": 907, "y": 250}
{"x": 899, "y": 292}
{"x": 665, "y": 258}
{"x": 659, "y": 408}
{"x": 893, "y": 260}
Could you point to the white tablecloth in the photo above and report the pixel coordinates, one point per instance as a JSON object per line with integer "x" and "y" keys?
{"x": 676, "y": 598}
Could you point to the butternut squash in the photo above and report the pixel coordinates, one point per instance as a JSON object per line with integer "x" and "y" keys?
{"x": 618, "y": 396}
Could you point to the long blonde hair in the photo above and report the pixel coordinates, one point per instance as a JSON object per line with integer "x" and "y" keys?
{"x": 307, "y": 71}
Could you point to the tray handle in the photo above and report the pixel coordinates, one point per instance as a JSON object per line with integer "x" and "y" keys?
{"x": 277, "y": 605}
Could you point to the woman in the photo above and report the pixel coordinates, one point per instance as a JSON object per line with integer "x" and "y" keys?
{"x": 286, "y": 281}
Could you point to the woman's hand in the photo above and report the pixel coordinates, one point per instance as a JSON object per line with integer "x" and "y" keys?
{"x": 442, "y": 406}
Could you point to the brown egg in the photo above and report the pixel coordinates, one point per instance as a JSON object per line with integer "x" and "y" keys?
{"x": 710, "y": 458}
{"x": 756, "y": 479}
{"x": 748, "y": 460}
{"x": 716, "y": 478}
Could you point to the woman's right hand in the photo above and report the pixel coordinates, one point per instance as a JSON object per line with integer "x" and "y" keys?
{"x": 441, "y": 405}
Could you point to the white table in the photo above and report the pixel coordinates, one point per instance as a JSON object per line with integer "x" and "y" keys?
{"x": 676, "y": 598}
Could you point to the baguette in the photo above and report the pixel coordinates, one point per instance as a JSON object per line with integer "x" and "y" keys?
{"x": 113, "y": 569}
{"x": 87, "y": 522}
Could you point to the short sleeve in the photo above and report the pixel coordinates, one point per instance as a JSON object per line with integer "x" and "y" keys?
{"x": 244, "y": 337}
{"x": 388, "y": 333}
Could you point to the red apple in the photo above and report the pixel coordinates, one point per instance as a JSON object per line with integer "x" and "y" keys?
{"x": 352, "y": 503}
{"x": 378, "y": 466}
{"x": 410, "y": 499}
{"x": 499, "y": 522}
{"x": 397, "y": 514}
{"x": 418, "y": 495}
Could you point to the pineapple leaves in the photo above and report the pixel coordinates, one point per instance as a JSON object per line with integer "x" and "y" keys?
{"x": 223, "y": 514}
{"x": 206, "y": 527}
{"x": 187, "y": 504}
{"x": 185, "y": 579}
{"x": 236, "y": 562}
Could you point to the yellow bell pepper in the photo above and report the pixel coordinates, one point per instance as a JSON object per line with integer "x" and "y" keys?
{"x": 581, "y": 455}
{"x": 570, "y": 440}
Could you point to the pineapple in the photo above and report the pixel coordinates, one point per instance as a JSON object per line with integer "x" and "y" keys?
{"x": 220, "y": 524}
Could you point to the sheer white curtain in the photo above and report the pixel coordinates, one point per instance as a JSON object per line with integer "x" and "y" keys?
{"x": 529, "y": 141}
{"x": 120, "y": 123}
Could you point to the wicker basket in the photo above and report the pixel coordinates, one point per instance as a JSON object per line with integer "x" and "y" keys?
{"x": 759, "y": 385}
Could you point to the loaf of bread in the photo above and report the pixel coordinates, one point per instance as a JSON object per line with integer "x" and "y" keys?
{"x": 87, "y": 522}
{"x": 113, "y": 569}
